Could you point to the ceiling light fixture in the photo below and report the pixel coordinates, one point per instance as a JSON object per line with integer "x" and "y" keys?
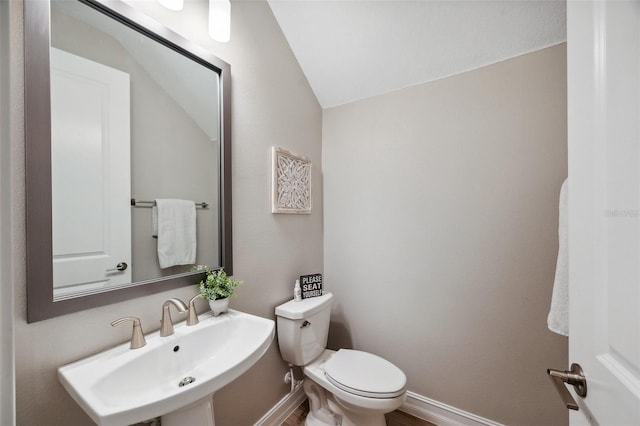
{"x": 220, "y": 20}
{"x": 172, "y": 4}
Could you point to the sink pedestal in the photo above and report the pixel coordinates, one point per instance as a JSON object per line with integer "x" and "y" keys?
{"x": 199, "y": 413}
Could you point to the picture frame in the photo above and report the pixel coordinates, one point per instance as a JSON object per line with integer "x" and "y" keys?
{"x": 291, "y": 182}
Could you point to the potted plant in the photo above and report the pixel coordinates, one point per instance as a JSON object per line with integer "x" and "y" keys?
{"x": 217, "y": 288}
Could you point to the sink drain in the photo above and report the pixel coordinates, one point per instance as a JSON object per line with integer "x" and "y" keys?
{"x": 186, "y": 381}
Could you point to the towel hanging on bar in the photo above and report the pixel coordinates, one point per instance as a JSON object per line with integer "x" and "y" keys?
{"x": 558, "y": 318}
{"x": 176, "y": 232}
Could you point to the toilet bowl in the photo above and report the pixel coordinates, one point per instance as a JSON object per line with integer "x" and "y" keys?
{"x": 362, "y": 392}
{"x": 344, "y": 387}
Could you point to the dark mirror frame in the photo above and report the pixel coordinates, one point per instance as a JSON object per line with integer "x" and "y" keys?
{"x": 39, "y": 257}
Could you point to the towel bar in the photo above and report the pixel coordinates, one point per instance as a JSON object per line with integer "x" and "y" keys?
{"x": 143, "y": 203}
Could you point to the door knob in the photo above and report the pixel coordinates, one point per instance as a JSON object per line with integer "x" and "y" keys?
{"x": 122, "y": 266}
{"x": 574, "y": 377}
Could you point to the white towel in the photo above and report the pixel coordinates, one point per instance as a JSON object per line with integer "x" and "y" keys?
{"x": 176, "y": 232}
{"x": 558, "y": 319}
{"x": 154, "y": 221}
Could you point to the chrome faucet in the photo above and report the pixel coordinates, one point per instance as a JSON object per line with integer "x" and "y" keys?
{"x": 192, "y": 315}
{"x": 166, "y": 324}
{"x": 137, "y": 335}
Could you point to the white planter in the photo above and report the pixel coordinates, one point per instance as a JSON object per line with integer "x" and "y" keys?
{"x": 219, "y": 306}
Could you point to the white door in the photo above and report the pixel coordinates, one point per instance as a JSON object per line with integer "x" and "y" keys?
{"x": 90, "y": 153}
{"x": 604, "y": 207}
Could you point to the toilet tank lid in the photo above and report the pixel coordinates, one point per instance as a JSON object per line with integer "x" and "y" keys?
{"x": 305, "y": 308}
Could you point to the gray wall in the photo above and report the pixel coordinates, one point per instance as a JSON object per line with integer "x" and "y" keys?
{"x": 272, "y": 105}
{"x": 7, "y": 122}
{"x": 441, "y": 215}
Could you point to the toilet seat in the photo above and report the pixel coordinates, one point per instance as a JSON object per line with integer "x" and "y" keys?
{"x": 364, "y": 374}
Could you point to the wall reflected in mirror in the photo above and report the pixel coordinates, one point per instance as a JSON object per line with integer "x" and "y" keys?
{"x": 131, "y": 119}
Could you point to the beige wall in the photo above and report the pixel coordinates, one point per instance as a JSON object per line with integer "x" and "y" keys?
{"x": 441, "y": 223}
{"x": 272, "y": 105}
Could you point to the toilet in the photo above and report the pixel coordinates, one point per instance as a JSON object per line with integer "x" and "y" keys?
{"x": 344, "y": 387}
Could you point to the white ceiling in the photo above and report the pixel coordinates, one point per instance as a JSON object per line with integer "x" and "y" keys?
{"x": 355, "y": 49}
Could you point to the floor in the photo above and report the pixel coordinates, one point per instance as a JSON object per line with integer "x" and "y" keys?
{"x": 396, "y": 418}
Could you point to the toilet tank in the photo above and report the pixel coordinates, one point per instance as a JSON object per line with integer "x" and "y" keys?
{"x": 303, "y": 328}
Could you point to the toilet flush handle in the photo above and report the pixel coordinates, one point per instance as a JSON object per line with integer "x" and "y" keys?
{"x": 305, "y": 324}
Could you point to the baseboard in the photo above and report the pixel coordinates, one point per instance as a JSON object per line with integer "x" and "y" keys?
{"x": 417, "y": 405}
{"x": 283, "y": 409}
{"x": 441, "y": 414}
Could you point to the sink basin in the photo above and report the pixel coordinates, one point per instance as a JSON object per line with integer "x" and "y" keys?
{"x": 122, "y": 386}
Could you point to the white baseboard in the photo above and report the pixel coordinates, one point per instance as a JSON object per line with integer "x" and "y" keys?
{"x": 417, "y": 405}
{"x": 441, "y": 414}
{"x": 283, "y": 409}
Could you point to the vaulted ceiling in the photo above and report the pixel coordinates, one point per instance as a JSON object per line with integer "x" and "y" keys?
{"x": 354, "y": 49}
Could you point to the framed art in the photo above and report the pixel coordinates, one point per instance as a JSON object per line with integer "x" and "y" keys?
{"x": 291, "y": 182}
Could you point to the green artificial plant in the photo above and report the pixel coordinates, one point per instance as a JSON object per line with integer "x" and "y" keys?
{"x": 217, "y": 285}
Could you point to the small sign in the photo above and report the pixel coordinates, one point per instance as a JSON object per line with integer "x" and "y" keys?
{"x": 311, "y": 285}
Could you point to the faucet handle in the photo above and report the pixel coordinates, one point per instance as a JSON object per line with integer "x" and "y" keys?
{"x": 192, "y": 315}
{"x": 166, "y": 323}
{"x": 137, "y": 335}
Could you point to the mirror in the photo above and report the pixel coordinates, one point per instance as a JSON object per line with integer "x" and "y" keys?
{"x": 120, "y": 112}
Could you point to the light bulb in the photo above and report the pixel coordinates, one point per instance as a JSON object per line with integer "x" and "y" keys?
{"x": 220, "y": 20}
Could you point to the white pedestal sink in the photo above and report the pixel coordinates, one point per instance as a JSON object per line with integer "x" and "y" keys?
{"x": 173, "y": 377}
